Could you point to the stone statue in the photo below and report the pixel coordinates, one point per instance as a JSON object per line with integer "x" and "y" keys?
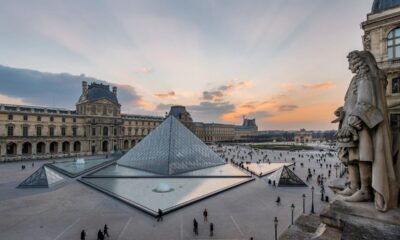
{"x": 364, "y": 136}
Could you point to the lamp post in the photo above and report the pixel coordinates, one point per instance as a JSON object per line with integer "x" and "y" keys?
{"x": 304, "y": 203}
{"x": 336, "y": 168}
{"x": 312, "y": 200}
{"x": 276, "y": 227}
{"x": 292, "y": 207}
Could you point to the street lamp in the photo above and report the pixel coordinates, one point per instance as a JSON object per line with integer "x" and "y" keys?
{"x": 276, "y": 227}
{"x": 304, "y": 203}
{"x": 312, "y": 200}
{"x": 336, "y": 166}
{"x": 292, "y": 207}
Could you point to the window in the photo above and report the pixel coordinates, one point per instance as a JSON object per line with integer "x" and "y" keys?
{"x": 39, "y": 118}
{"x": 51, "y": 131}
{"x": 63, "y": 119}
{"x": 39, "y": 131}
{"x": 115, "y": 131}
{"x": 51, "y": 119}
{"x": 105, "y": 131}
{"x": 10, "y": 131}
{"x": 24, "y": 131}
{"x": 74, "y": 120}
{"x": 395, "y": 121}
{"x": 93, "y": 131}
{"x": 74, "y": 131}
{"x": 25, "y": 117}
{"x": 10, "y": 117}
{"x": 393, "y": 44}
{"x": 104, "y": 110}
{"x": 396, "y": 85}
{"x": 63, "y": 131}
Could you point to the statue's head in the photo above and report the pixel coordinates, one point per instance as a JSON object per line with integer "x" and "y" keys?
{"x": 364, "y": 62}
{"x": 361, "y": 62}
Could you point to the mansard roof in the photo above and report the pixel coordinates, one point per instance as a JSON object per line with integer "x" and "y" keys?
{"x": 97, "y": 91}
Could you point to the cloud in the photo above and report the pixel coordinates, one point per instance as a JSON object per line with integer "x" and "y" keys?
{"x": 319, "y": 86}
{"x": 213, "y": 95}
{"x": 54, "y": 90}
{"x": 287, "y": 108}
{"x": 218, "y": 93}
{"x": 165, "y": 95}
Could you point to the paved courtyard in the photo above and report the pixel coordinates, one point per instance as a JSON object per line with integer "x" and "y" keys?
{"x": 240, "y": 213}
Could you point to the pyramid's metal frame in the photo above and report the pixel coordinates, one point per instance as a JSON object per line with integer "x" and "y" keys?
{"x": 286, "y": 177}
{"x": 44, "y": 177}
{"x": 170, "y": 149}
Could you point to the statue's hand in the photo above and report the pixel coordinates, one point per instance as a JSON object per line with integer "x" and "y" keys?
{"x": 355, "y": 122}
{"x": 347, "y": 134}
{"x": 339, "y": 112}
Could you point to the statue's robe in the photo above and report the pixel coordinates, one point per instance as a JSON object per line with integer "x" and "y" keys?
{"x": 366, "y": 99}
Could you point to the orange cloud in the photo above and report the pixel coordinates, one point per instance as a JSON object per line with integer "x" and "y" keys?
{"x": 165, "y": 95}
{"x": 319, "y": 86}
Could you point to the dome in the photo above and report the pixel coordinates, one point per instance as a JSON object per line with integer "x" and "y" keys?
{"x": 382, "y": 5}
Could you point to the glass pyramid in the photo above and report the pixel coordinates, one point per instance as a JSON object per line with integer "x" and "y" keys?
{"x": 170, "y": 149}
{"x": 286, "y": 177}
{"x": 43, "y": 177}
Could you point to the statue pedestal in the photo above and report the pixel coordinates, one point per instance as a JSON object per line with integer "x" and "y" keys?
{"x": 361, "y": 220}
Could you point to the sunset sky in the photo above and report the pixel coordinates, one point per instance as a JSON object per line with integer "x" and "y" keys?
{"x": 281, "y": 61}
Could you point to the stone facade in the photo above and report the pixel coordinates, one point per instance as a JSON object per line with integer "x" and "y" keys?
{"x": 95, "y": 127}
{"x": 382, "y": 39}
{"x": 303, "y": 136}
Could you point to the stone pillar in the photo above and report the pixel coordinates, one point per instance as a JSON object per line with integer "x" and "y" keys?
{"x": 59, "y": 150}
{"x": 19, "y": 148}
{"x": 47, "y": 148}
{"x": 34, "y": 150}
{"x": 3, "y": 149}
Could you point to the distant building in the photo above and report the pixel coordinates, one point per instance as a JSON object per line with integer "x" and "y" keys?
{"x": 95, "y": 127}
{"x": 303, "y": 136}
{"x": 215, "y": 132}
{"x": 382, "y": 38}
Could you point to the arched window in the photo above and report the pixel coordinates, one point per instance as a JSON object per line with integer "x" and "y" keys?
{"x": 393, "y": 44}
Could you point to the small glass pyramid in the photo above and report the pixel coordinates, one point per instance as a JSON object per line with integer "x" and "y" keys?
{"x": 170, "y": 149}
{"x": 286, "y": 177}
{"x": 44, "y": 177}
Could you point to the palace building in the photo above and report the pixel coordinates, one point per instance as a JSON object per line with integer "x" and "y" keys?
{"x": 382, "y": 39}
{"x": 96, "y": 126}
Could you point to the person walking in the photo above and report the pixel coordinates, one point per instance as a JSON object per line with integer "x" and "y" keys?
{"x": 205, "y": 214}
{"x": 100, "y": 235}
{"x": 83, "y": 235}
{"x": 106, "y": 231}
{"x": 211, "y": 229}
{"x": 278, "y": 201}
{"x": 195, "y": 227}
{"x": 160, "y": 215}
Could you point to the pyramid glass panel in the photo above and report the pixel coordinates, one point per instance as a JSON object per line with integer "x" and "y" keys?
{"x": 284, "y": 176}
{"x": 43, "y": 177}
{"x": 52, "y": 177}
{"x": 170, "y": 149}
